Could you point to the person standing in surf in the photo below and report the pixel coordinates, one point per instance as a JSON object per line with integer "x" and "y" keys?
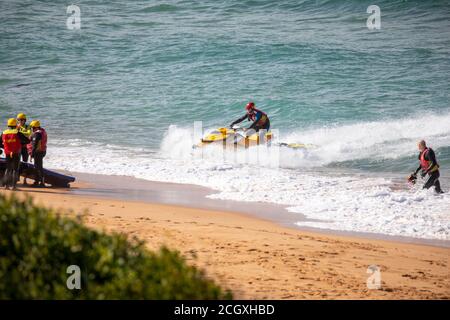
{"x": 428, "y": 165}
{"x": 259, "y": 118}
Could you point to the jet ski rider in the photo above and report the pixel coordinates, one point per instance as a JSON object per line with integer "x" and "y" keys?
{"x": 259, "y": 118}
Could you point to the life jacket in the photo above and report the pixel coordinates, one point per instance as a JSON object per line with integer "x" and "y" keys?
{"x": 262, "y": 120}
{"x": 26, "y": 130}
{"x": 11, "y": 142}
{"x": 425, "y": 164}
{"x": 42, "y": 144}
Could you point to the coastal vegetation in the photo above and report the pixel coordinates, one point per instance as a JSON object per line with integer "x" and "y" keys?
{"x": 45, "y": 254}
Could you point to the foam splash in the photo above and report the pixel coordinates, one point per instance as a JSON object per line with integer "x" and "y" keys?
{"x": 380, "y": 141}
{"x": 375, "y": 140}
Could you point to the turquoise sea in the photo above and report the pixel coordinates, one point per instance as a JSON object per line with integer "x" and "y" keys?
{"x": 117, "y": 95}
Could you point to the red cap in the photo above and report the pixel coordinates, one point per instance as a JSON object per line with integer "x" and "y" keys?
{"x": 249, "y": 106}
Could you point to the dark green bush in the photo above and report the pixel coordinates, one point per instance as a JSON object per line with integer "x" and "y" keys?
{"x": 37, "y": 246}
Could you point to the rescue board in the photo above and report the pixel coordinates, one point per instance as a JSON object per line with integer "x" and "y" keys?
{"x": 50, "y": 177}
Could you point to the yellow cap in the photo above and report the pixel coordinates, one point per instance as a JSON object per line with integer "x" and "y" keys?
{"x": 35, "y": 124}
{"x": 12, "y": 122}
{"x": 21, "y": 116}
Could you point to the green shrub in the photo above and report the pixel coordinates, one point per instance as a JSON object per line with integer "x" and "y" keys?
{"x": 37, "y": 245}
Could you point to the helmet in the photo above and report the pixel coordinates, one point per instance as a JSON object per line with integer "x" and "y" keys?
{"x": 250, "y": 106}
{"x": 35, "y": 124}
{"x": 12, "y": 122}
{"x": 21, "y": 116}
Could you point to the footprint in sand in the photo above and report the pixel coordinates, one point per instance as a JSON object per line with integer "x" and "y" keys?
{"x": 409, "y": 276}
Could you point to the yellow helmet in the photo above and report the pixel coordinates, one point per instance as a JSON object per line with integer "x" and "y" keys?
{"x": 35, "y": 124}
{"x": 12, "y": 122}
{"x": 21, "y": 116}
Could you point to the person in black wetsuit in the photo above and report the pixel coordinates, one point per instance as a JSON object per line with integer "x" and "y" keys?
{"x": 37, "y": 150}
{"x": 259, "y": 118}
{"x": 428, "y": 165}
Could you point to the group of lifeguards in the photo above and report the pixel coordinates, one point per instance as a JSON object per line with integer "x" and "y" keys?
{"x": 21, "y": 140}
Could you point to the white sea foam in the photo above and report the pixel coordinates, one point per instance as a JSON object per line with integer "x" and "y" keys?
{"x": 334, "y": 201}
{"x": 374, "y": 140}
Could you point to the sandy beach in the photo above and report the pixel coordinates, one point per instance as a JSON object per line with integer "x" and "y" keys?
{"x": 257, "y": 258}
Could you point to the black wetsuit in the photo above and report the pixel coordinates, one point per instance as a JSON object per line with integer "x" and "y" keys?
{"x": 255, "y": 126}
{"x": 38, "y": 157}
{"x": 433, "y": 179}
{"x": 24, "y": 151}
{"x": 24, "y": 154}
{"x": 11, "y": 175}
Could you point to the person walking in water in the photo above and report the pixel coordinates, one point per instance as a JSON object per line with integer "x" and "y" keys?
{"x": 37, "y": 150}
{"x": 12, "y": 141}
{"x": 428, "y": 166}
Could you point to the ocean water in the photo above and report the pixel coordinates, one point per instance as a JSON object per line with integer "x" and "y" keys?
{"x": 121, "y": 94}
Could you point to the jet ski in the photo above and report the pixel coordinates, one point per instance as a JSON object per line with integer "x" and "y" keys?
{"x": 28, "y": 171}
{"x": 296, "y": 146}
{"x": 234, "y": 137}
{"x": 237, "y": 137}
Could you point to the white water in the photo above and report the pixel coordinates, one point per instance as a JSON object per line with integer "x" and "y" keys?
{"x": 344, "y": 201}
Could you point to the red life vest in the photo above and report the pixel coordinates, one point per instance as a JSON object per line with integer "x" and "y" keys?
{"x": 425, "y": 164}
{"x": 42, "y": 145}
{"x": 262, "y": 120}
{"x": 11, "y": 142}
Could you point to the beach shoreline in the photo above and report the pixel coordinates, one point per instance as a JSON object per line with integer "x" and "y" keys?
{"x": 193, "y": 196}
{"x": 252, "y": 255}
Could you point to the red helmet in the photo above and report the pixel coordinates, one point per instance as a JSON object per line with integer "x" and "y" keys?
{"x": 250, "y": 106}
